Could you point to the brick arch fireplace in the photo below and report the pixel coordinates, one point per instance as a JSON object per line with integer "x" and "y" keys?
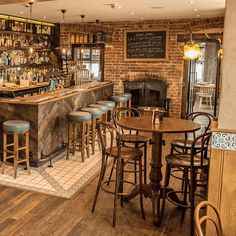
{"x": 148, "y": 92}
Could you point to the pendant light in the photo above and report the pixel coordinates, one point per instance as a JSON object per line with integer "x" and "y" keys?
{"x": 63, "y": 49}
{"x": 63, "y": 11}
{"x": 82, "y": 46}
{"x": 31, "y": 49}
{"x": 191, "y": 50}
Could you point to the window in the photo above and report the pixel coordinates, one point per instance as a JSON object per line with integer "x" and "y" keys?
{"x": 90, "y": 58}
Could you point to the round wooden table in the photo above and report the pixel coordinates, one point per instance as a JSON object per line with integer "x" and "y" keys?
{"x": 168, "y": 125}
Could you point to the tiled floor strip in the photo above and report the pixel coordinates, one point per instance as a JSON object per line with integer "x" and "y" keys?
{"x": 63, "y": 179}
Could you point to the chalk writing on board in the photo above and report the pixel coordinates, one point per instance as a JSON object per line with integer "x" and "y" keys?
{"x": 146, "y": 44}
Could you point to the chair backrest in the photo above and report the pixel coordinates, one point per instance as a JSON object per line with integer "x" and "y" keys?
{"x": 206, "y": 89}
{"x": 202, "y": 140}
{"x": 215, "y": 220}
{"x": 111, "y": 139}
{"x": 81, "y": 76}
{"x": 123, "y": 112}
{"x": 203, "y": 118}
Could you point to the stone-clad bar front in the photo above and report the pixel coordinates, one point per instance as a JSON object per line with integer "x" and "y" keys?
{"x": 48, "y": 118}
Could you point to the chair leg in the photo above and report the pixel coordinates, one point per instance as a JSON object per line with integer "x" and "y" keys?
{"x": 16, "y": 153}
{"x": 4, "y": 151}
{"x": 166, "y": 184}
{"x": 27, "y": 151}
{"x": 102, "y": 173}
{"x": 200, "y": 103}
{"x": 88, "y": 125}
{"x": 192, "y": 187}
{"x": 74, "y": 140}
{"x": 141, "y": 187}
{"x": 185, "y": 189}
{"x": 82, "y": 140}
{"x": 69, "y": 140}
{"x": 93, "y": 133}
{"x": 145, "y": 163}
{"x": 112, "y": 169}
{"x": 121, "y": 181}
{"x": 117, "y": 183}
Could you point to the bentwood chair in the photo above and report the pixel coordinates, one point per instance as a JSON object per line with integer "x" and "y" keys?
{"x": 215, "y": 218}
{"x": 191, "y": 163}
{"x": 122, "y": 155}
{"x": 131, "y": 137}
{"x": 184, "y": 145}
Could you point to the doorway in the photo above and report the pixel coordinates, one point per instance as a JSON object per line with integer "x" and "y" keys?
{"x": 201, "y": 90}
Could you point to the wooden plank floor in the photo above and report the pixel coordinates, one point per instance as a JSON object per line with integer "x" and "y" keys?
{"x": 30, "y": 213}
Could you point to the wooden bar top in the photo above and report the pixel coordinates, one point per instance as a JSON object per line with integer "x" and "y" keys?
{"x": 54, "y": 95}
{"x": 19, "y": 88}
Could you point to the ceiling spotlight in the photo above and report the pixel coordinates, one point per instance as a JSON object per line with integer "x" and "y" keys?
{"x": 156, "y": 8}
{"x": 131, "y": 13}
{"x": 113, "y": 5}
{"x": 195, "y": 9}
{"x": 191, "y": 2}
{"x": 63, "y": 11}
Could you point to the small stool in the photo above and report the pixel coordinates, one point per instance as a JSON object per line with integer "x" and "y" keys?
{"x": 129, "y": 96}
{"x": 111, "y": 106}
{"x": 120, "y": 101}
{"x": 15, "y": 128}
{"x": 83, "y": 120}
{"x": 96, "y": 115}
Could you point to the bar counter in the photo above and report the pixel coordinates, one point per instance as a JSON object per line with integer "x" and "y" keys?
{"x": 47, "y": 114}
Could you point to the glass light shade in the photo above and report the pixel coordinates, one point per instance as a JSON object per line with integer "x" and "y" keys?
{"x": 192, "y": 51}
{"x": 63, "y": 50}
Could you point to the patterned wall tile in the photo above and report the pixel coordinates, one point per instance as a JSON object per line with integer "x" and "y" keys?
{"x": 225, "y": 141}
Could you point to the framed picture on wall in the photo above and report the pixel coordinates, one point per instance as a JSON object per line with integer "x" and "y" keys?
{"x": 146, "y": 45}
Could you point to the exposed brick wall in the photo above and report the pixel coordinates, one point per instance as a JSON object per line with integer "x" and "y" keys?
{"x": 171, "y": 71}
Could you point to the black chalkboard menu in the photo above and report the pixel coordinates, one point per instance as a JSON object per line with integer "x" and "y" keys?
{"x": 146, "y": 45}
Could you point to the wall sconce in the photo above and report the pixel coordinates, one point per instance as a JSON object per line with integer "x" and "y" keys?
{"x": 191, "y": 50}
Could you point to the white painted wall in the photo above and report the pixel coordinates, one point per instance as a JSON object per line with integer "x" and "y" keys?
{"x": 227, "y": 112}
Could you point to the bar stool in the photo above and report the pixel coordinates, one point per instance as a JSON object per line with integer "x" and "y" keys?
{"x": 111, "y": 106}
{"x": 120, "y": 101}
{"x": 15, "y": 128}
{"x": 96, "y": 115}
{"x": 103, "y": 108}
{"x": 83, "y": 120}
{"x": 129, "y": 96}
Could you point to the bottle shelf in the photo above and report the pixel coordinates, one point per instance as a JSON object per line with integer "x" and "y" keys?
{"x": 24, "y": 65}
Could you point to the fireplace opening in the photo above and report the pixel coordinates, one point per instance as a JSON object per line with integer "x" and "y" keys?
{"x": 148, "y": 92}
{"x": 153, "y": 98}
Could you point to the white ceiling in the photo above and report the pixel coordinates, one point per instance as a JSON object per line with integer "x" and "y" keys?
{"x": 130, "y": 10}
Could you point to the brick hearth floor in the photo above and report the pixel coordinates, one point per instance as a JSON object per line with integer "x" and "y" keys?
{"x": 62, "y": 180}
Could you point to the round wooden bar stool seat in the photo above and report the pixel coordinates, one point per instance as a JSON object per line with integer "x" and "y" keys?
{"x": 103, "y": 109}
{"x": 96, "y": 115}
{"x": 120, "y": 101}
{"x": 111, "y": 106}
{"x": 82, "y": 120}
{"x": 15, "y": 129}
{"x": 129, "y": 96}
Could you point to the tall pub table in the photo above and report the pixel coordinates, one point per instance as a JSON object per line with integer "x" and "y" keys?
{"x": 154, "y": 189}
